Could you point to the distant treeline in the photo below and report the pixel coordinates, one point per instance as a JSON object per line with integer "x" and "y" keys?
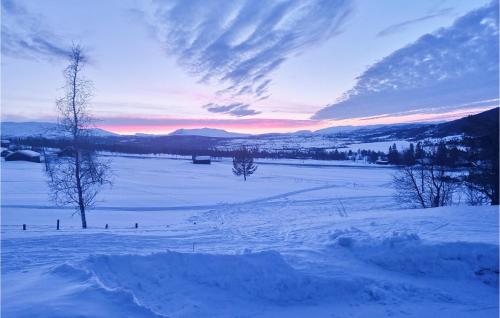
{"x": 449, "y": 153}
{"x": 196, "y": 145}
{"x": 452, "y": 153}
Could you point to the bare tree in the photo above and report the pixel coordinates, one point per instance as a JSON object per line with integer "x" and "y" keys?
{"x": 243, "y": 164}
{"x": 483, "y": 177}
{"x": 76, "y": 178}
{"x": 426, "y": 184}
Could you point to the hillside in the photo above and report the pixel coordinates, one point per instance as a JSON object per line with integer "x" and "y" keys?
{"x": 476, "y": 125}
{"x": 41, "y": 129}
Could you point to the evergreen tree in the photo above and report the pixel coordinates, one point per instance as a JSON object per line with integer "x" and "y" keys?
{"x": 243, "y": 164}
{"x": 419, "y": 151}
{"x": 393, "y": 157}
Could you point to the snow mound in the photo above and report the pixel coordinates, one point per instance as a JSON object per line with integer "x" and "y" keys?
{"x": 194, "y": 285}
{"x": 406, "y": 253}
{"x": 175, "y": 284}
{"x": 261, "y": 275}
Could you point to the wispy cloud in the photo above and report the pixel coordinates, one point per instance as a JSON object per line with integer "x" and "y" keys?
{"x": 238, "y": 44}
{"x": 395, "y": 28}
{"x": 451, "y": 68}
{"x": 25, "y": 36}
{"x": 234, "y": 109}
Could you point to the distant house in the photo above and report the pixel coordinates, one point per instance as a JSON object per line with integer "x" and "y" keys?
{"x": 23, "y": 155}
{"x": 206, "y": 160}
{"x": 382, "y": 162}
{"x": 5, "y": 143}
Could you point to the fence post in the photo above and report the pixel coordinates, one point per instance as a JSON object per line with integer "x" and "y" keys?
{"x": 58, "y": 224}
{"x": 106, "y": 227}
{"x": 136, "y": 225}
{"x": 24, "y": 227}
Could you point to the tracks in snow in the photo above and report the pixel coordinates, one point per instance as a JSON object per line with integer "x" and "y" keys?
{"x": 266, "y": 201}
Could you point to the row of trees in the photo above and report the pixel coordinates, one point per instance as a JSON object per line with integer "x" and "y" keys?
{"x": 449, "y": 154}
{"x": 191, "y": 145}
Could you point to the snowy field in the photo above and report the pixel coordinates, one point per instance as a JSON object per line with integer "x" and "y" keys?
{"x": 298, "y": 239}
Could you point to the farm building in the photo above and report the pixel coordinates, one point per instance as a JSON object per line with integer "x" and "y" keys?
{"x": 202, "y": 160}
{"x": 5, "y": 143}
{"x": 23, "y": 155}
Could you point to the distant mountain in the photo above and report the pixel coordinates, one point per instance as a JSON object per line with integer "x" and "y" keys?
{"x": 41, "y": 129}
{"x": 475, "y": 125}
{"x": 336, "y": 129}
{"x": 381, "y": 127}
{"x": 207, "y": 132}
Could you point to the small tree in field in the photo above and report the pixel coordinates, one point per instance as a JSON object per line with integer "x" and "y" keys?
{"x": 243, "y": 164}
{"x": 76, "y": 178}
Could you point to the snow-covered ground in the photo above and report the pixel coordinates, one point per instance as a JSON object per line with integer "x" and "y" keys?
{"x": 298, "y": 239}
{"x": 380, "y": 146}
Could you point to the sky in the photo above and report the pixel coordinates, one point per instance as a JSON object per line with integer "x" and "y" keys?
{"x": 253, "y": 66}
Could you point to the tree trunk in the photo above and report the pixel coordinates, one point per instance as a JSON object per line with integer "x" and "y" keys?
{"x": 82, "y": 215}
{"x": 81, "y": 202}
{"x": 494, "y": 198}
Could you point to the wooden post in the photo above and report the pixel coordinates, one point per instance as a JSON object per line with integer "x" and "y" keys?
{"x": 136, "y": 225}
{"x": 193, "y": 246}
{"x": 106, "y": 227}
{"x": 24, "y": 227}
{"x": 58, "y": 224}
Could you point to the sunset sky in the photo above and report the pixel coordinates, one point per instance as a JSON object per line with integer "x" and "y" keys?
{"x": 253, "y": 66}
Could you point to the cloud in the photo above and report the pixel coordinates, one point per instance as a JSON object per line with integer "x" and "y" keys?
{"x": 454, "y": 67}
{"x": 395, "y": 28}
{"x": 240, "y": 43}
{"x": 234, "y": 109}
{"x": 24, "y": 36}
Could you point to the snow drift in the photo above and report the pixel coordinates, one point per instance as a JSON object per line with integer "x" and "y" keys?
{"x": 406, "y": 253}
{"x": 185, "y": 285}
{"x": 170, "y": 283}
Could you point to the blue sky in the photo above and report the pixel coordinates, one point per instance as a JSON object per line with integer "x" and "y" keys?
{"x": 254, "y": 66}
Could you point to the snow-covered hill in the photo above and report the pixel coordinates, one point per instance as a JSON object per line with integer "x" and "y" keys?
{"x": 40, "y": 129}
{"x": 207, "y": 132}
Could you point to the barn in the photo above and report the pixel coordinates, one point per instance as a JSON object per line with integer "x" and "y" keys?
{"x": 204, "y": 160}
{"x": 23, "y": 155}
